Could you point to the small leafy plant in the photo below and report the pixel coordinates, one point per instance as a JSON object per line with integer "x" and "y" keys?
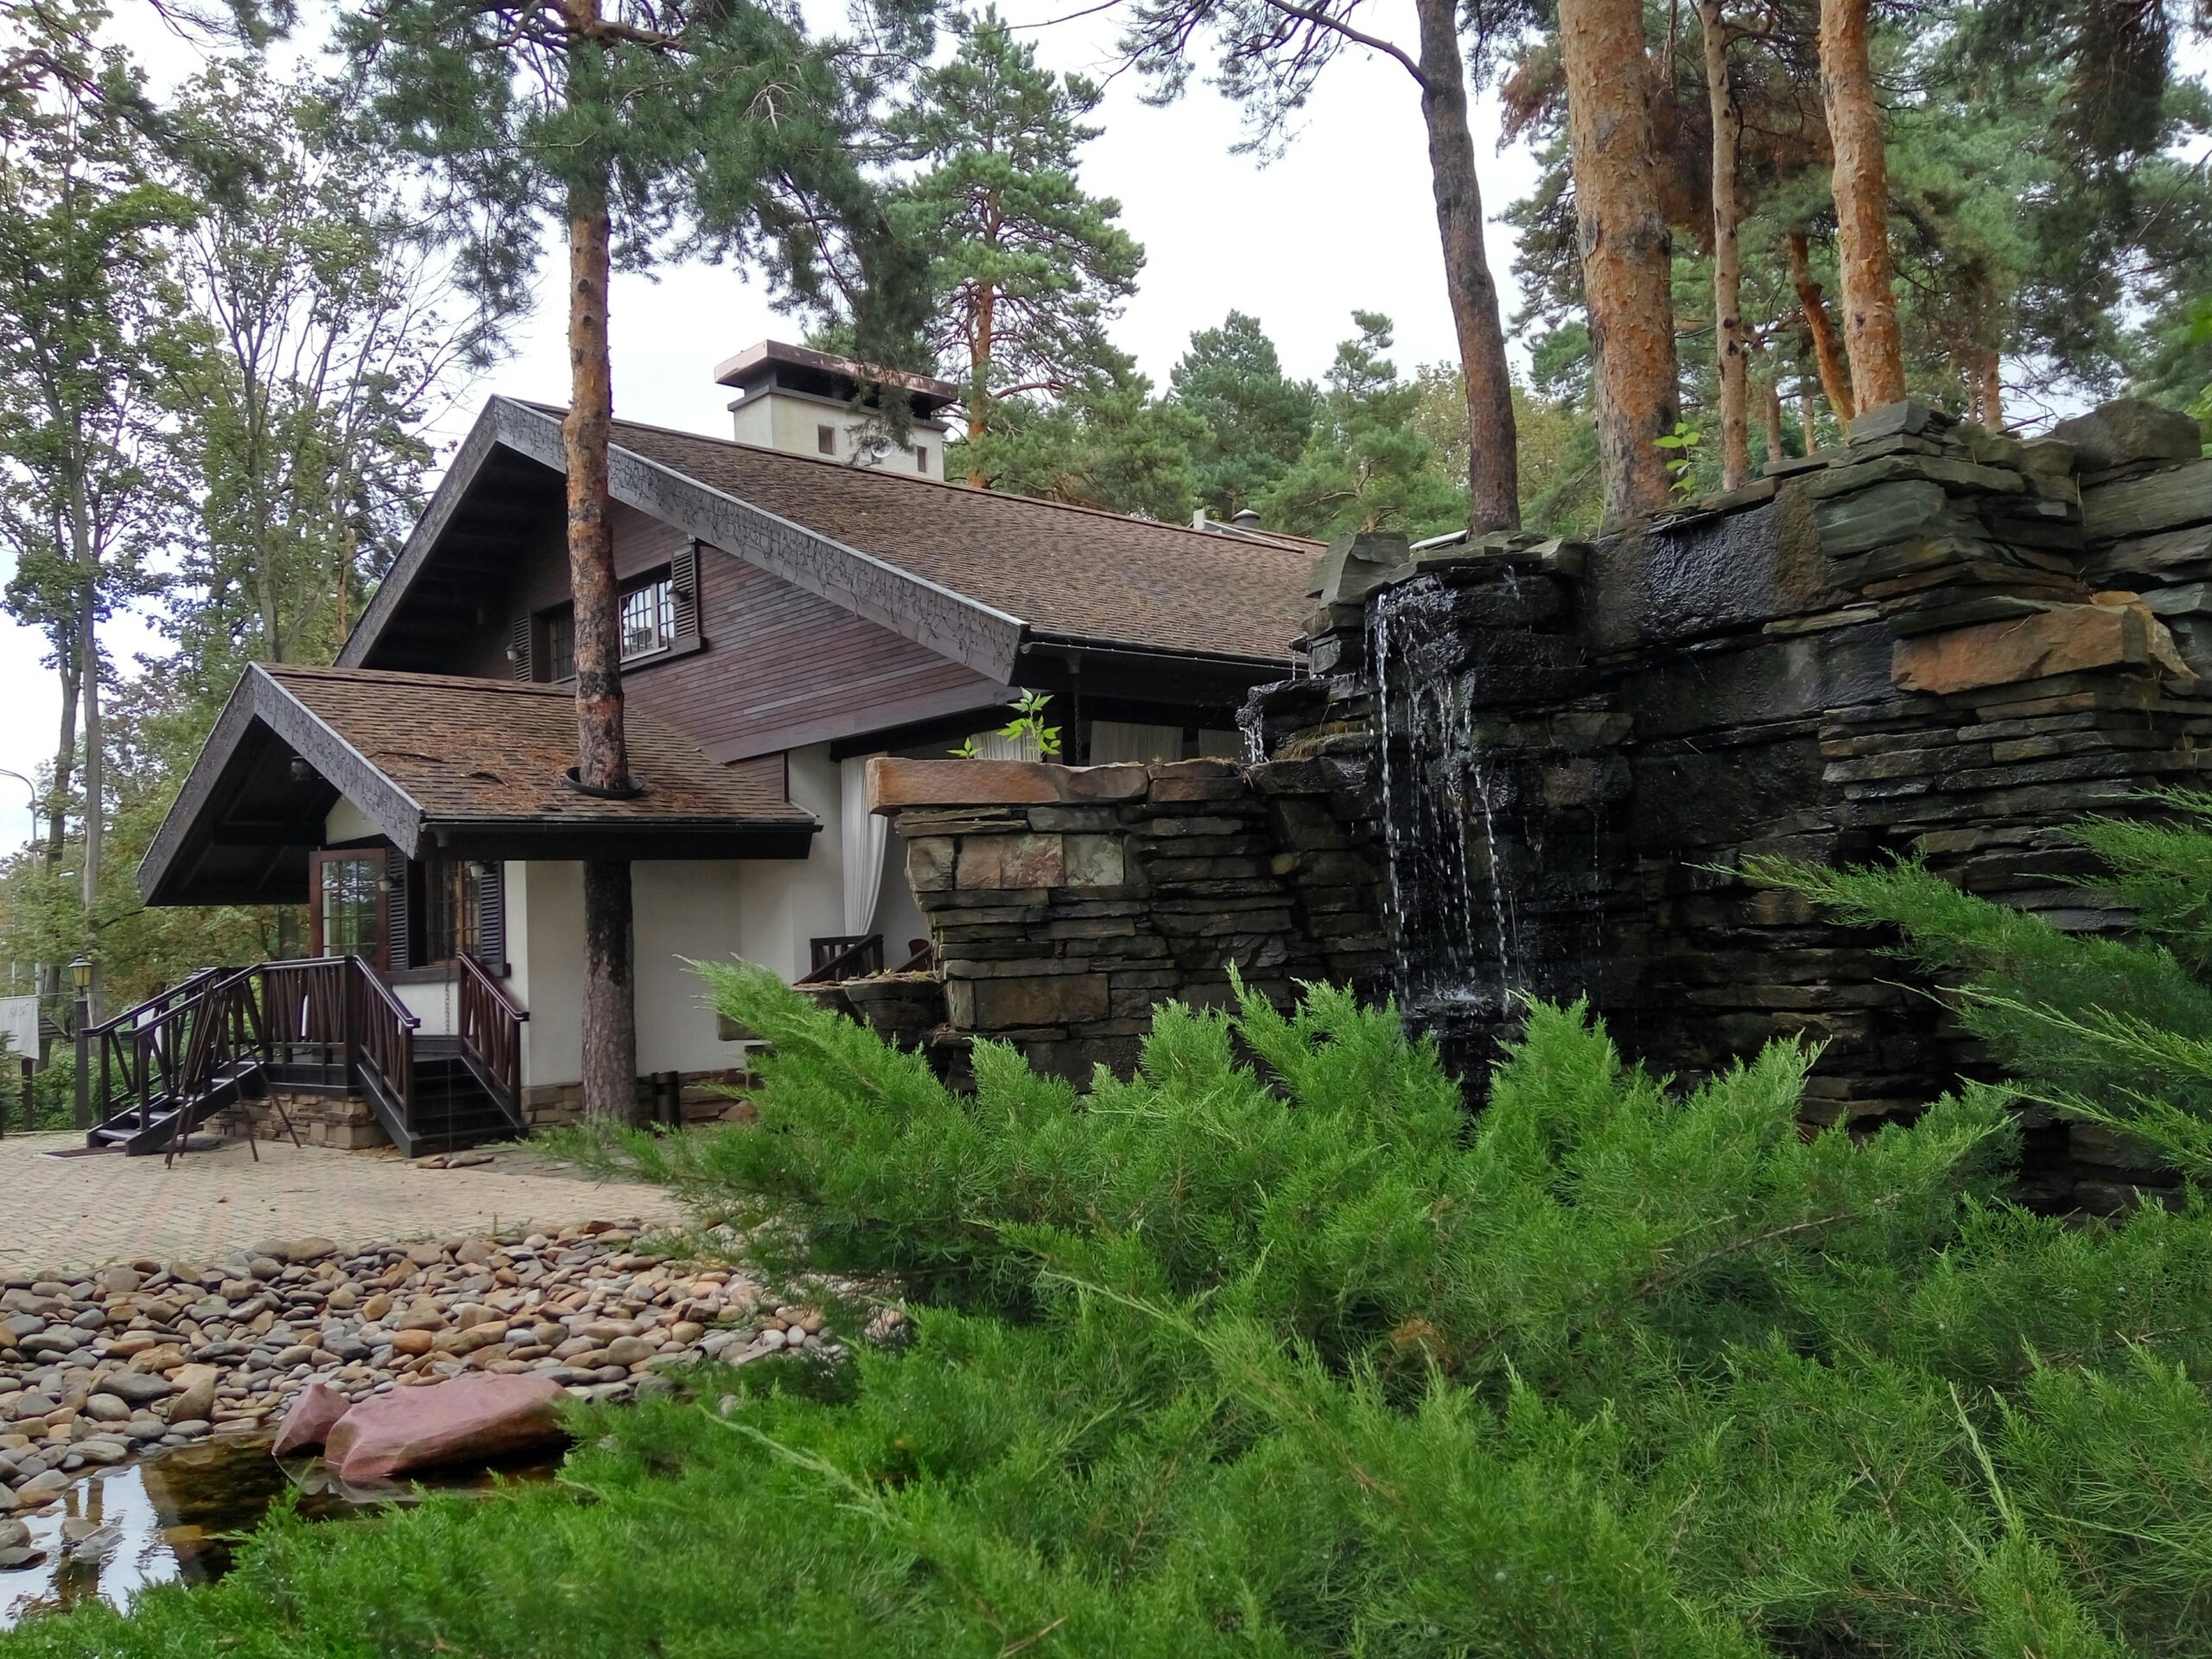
{"x": 1681, "y": 447}
{"x": 1026, "y": 731}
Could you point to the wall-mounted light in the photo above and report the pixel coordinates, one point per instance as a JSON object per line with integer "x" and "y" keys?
{"x": 300, "y": 771}
{"x": 514, "y": 653}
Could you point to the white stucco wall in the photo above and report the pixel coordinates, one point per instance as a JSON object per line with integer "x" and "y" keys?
{"x": 345, "y": 823}
{"x": 783, "y": 903}
{"x": 684, "y": 912}
{"x": 764, "y": 910}
{"x": 790, "y": 421}
{"x": 431, "y": 1003}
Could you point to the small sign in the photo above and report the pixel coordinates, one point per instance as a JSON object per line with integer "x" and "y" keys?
{"x": 19, "y": 1025}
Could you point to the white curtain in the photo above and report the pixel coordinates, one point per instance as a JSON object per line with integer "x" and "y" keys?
{"x": 865, "y": 837}
{"x": 1114, "y": 741}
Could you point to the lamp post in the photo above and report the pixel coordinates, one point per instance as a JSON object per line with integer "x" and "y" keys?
{"x": 80, "y": 981}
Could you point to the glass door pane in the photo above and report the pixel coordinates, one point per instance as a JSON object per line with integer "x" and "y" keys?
{"x": 351, "y": 905}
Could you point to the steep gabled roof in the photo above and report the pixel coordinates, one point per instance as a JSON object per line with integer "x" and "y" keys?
{"x": 475, "y": 766}
{"x": 972, "y": 574}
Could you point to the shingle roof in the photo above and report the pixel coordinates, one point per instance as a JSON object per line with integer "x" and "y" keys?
{"x": 1067, "y": 571}
{"x": 482, "y": 751}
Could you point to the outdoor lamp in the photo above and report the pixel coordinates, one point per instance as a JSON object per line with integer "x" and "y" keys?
{"x": 80, "y": 975}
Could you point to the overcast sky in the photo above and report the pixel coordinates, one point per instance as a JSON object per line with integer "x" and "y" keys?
{"x": 1343, "y": 220}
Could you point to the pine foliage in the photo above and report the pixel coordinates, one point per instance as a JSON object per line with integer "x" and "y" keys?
{"x": 1274, "y": 1349}
{"x": 2115, "y": 1030}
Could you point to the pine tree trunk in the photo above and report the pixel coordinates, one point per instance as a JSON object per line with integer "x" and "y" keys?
{"x": 1626, "y": 248}
{"x": 65, "y": 755}
{"x": 1808, "y": 414}
{"x": 1836, "y": 377}
{"x": 1992, "y": 392}
{"x": 1861, "y": 188}
{"x": 1771, "y": 410}
{"x": 979, "y": 382}
{"x": 1493, "y": 477}
{"x": 1727, "y": 259}
{"x": 610, "y": 1014}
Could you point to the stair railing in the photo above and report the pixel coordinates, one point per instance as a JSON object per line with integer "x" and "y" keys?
{"x": 491, "y": 1035}
{"x": 381, "y": 1031}
{"x": 134, "y": 1054}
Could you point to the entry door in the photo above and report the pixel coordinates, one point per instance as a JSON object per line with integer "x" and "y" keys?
{"x": 348, "y": 907}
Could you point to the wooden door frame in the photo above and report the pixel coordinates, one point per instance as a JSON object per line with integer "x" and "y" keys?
{"x": 381, "y": 857}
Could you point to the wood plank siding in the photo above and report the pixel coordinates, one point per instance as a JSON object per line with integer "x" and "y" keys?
{"x": 779, "y": 667}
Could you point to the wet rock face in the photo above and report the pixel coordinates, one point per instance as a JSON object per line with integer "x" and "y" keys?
{"x": 1933, "y": 638}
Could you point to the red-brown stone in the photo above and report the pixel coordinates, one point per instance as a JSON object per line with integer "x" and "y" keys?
{"x": 2067, "y": 640}
{"x": 312, "y": 1417}
{"x": 894, "y": 782}
{"x": 462, "y": 1420}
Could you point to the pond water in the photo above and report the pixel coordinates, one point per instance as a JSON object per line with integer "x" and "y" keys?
{"x": 177, "y": 1516}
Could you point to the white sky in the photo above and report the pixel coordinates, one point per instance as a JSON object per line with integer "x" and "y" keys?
{"x": 1344, "y": 221}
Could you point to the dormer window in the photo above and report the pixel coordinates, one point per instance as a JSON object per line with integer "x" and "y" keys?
{"x": 648, "y": 617}
{"x": 921, "y": 458}
{"x": 648, "y": 625}
{"x": 825, "y": 439}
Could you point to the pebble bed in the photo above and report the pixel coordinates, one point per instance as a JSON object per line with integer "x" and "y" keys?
{"x": 97, "y": 1367}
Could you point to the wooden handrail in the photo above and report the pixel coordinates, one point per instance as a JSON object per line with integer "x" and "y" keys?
{"x": 380, "y": 1037}
{"x": 491, "y": 1033}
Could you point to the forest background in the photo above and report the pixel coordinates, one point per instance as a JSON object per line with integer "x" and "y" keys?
{"x": 284, "y": 345}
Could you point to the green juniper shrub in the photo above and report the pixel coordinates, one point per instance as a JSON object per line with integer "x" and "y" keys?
{"x": 1298, "y": 1358}
{"x": 2117, "y": 1031}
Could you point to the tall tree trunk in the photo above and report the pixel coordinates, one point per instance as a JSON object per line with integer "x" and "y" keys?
{"x": 86, "y": 556}
{"x": 1992, "y": 392}
{"x": 1727, "y": 260}
{"x": 1625, "y": 247}
{"x": 1771, "y": 413}
{"x": 1862, "y": 187}
{"x": 610, "y": 1021}
{"x": 979, "y": 382}
{"x": 1493, "y": 471}
{"x": 1836, "y": 377}
{"x": 65, "y": 752}
{"x": 1809, "y": 413}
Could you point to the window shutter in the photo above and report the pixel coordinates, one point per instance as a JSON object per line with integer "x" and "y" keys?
{"x": 518, "y": 648}
{"x": 492, "y": 917}
{"x": 683, "y": 588}
{"x": 399, "y": 932}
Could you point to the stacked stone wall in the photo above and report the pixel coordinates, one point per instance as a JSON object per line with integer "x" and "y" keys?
{"x": 1063, "y": 903}
{"x": 1932, "y": 640}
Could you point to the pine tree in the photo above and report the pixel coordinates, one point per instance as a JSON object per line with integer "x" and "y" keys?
{"x": 1025, "y": 269}
{"x": 1253, "y": 419}
{"x": 717, "y": 125}
{"x": 1625, "y": 245}
{"x": 1272, "y": 54}
{"x": 1871, "y": 335}
{"x": 1368, "y": 466}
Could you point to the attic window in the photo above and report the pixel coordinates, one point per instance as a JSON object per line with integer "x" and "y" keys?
{"x": 648, "y": 625}
{"x": 825, "y": 439}
{"x": 921, "y": 459}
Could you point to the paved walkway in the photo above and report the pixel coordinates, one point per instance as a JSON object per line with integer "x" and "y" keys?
{"x": 80, "y": 1212}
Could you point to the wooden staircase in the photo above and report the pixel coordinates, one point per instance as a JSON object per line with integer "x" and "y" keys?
{"x": 330, "y": 1024}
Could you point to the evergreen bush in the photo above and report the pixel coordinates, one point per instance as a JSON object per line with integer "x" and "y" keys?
{"x": 1274, "y": 1349}
{"x": 2115, "y": 1030}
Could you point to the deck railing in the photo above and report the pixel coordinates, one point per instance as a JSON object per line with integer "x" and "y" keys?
{"x": 491, "y": 1035}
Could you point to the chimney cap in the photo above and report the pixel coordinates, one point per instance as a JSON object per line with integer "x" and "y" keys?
{"x": 770, "y": 362}
{"x": 1245, "y": 518}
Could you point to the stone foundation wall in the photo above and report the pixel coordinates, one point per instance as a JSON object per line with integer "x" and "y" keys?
{"x": 1933, "y": 641}
{"x": 1065, "y": 902}
{"x": 347, "y": 1123}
